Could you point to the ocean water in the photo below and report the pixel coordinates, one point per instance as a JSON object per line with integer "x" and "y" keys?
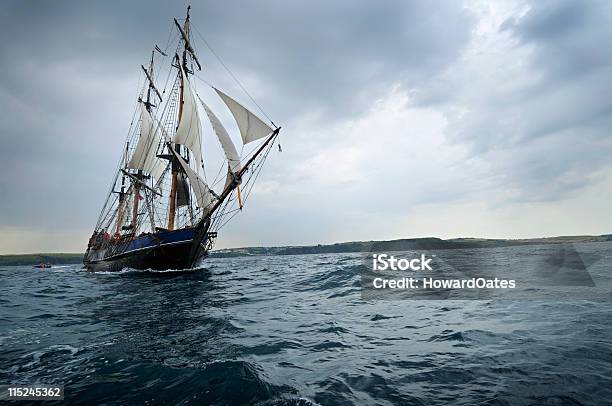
{"x": 295, "y": 330}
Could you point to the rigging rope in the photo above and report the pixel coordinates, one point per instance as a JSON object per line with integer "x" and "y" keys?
{"x": 220, "y": 219}
{"x": 102, "y": 216}
{"x": 232, "y": 74}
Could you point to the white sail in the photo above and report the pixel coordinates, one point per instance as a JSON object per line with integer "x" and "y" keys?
{"x": 189, "y": 131}
{"x": 157, "y": 170}
{"x": 201, "y": 190}
{"x": 226, "y": 142}
{"x": 145, "y": 154}
{"x": 251, "y": 127}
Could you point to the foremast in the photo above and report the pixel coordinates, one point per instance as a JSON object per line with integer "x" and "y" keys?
{"x": 143, "y": 157}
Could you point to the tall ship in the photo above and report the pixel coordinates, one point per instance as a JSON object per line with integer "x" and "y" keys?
{"x": 162, "y": 211}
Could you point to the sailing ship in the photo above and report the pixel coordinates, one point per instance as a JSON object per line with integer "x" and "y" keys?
{"x": 161, "y": 211}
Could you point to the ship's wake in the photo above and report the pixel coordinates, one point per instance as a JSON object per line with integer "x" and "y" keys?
{"x": 150, "y": 271}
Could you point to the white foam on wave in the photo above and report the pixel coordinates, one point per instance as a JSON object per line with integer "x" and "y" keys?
{"x": 63, "y": 268}
{"x": 128, "y": 270}
{"x": 121, "y": 272}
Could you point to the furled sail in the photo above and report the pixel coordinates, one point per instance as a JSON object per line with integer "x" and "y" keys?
{"x": 201, "y": 190}
{"x": 251, "y": 127}
{"x": 189, "y": 131}
{"x": 145, "y": 154}
{"x": 226, "y": 142}
{"x": 182, "y": 190}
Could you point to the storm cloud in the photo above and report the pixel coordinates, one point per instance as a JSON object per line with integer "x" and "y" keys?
{"x": 399, "y": 118}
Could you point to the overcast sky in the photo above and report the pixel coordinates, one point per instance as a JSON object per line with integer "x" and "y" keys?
{"x": 400, "y": 119}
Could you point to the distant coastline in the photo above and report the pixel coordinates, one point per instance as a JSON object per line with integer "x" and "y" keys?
{"x": 343, "y": 247}
{"x": 430, "y": 243}
{"x": 34, "y": 259}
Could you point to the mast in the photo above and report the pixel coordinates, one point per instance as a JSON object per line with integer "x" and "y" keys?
{"x": 187, "y": 46}
{"x": 136, "y": 184}
{"x": 120, "y": 209}
{"x": 122, "y": 193}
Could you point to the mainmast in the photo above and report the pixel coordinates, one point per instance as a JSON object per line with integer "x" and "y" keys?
{"x": 175, "y": 167}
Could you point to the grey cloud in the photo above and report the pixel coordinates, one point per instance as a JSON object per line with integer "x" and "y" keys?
{"x": 334, "y": 56}
{"x": 551, "y": 121}
{"x": 571, "y": 103}
{"x": 69, "y": 71}
{"x": 337, "y": 57}
{"x": 572, "y": 37}
{"x": 548, "y": 20}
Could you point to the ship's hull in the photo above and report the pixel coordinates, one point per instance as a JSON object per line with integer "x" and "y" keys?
{"x": 164, "y": 250}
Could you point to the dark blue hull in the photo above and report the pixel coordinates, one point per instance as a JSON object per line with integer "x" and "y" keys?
{"x": 177, "y": 249}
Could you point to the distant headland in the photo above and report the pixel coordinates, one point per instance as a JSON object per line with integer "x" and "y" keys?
{"x": 35, "y": 259}
{"x": 429, "y": 243}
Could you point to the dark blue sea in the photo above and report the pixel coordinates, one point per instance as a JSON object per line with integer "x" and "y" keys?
{"x": 295, "y": 330}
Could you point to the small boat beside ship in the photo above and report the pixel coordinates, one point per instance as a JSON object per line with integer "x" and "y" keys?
{"x": 162, "y": 212}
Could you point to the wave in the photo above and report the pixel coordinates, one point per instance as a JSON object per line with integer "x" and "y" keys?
{"x": 294, "y": 330}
